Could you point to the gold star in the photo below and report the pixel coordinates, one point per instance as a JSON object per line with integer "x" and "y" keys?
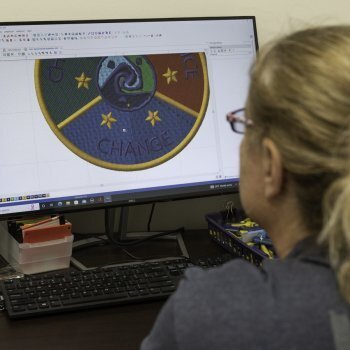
{"x": 83, "y": 81}
{"x": 153, "y": 117}
{"x": 108, "y": 120}
{"x": 170, "y": 75}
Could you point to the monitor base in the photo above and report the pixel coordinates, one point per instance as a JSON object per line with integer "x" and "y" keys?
{"x": 115, "y": 246}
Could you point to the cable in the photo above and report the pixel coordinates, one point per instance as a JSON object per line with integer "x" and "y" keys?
{"x": 80, "y": 235}
{"x": 150, "y": 217}
{"x": 99, "y": 242}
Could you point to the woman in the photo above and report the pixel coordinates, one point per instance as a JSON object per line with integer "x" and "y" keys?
{"x": 295, "y": 182}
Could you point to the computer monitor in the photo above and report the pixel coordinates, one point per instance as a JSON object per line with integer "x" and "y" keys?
{"x": 96, "y": 114}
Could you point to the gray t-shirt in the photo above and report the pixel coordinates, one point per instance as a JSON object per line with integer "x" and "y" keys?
{"x": 288, "y": 304}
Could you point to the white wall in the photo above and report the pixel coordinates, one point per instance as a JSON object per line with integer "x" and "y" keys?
{"x": 274, "y": 17}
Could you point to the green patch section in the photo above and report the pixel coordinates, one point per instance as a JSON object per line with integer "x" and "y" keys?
{"x": 147, "y": 72}
{"x": 59, "y": 89}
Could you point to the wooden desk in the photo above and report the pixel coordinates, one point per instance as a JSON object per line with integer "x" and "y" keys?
{"x": 117, "y": 328}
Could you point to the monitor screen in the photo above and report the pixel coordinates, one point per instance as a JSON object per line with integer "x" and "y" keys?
{"x": 106, "y": 113}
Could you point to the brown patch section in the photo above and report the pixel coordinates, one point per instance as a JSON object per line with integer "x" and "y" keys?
{"x": 189, "y": 88}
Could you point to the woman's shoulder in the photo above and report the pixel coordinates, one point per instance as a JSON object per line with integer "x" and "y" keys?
{"x": 213, "y": 308}
{"x": 239, "y": 283}
{"x": 236, "y": 280}
{"x": 247, "y": 300}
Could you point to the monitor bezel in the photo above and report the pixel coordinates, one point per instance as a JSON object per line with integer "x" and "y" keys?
{"x": 137, "y": 197}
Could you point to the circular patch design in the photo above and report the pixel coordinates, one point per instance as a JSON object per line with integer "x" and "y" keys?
{"x": 124, "y": 112}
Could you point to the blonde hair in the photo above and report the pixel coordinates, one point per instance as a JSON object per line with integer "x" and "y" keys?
{"x": 300, "y": 95}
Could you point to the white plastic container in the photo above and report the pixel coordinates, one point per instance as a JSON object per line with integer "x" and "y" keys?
{"x": 30, "y": 258}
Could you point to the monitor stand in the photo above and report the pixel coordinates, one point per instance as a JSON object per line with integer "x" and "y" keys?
{"x": 123, "y": 236}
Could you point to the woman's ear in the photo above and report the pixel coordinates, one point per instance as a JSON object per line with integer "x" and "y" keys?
{"x": 273, "y": 174}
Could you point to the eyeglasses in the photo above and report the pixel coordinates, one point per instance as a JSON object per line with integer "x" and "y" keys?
{"x": 239, "y": 123}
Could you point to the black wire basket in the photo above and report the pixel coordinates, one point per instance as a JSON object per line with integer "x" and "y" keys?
{"x": 217, "y": 223}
